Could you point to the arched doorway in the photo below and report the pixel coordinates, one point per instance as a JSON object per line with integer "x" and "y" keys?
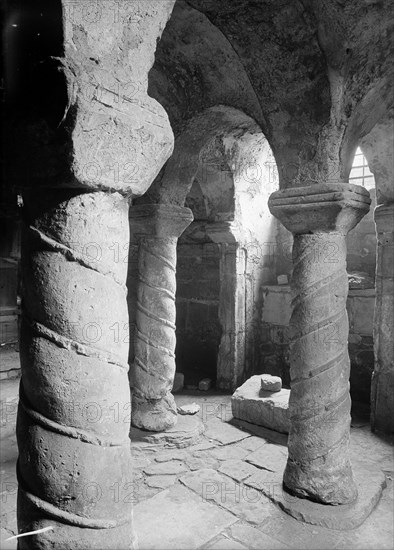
{"x": 222, "y": 169}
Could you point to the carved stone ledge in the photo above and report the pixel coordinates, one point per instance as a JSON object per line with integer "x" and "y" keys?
{"x": 320, "y": 208}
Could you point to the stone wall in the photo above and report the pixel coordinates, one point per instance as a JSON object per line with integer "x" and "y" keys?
{"x": 274, "y": 346}
{"x": 362, "y": 243}
{"x": 198, "y": 328}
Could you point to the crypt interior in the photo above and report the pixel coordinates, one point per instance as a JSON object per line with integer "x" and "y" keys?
{"x": 197, "y": 274}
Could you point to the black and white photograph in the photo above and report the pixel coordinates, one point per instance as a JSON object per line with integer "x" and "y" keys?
{"x": 197, "y": 275}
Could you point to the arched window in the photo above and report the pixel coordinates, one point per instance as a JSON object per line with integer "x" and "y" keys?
{"x": 360, "y": 173}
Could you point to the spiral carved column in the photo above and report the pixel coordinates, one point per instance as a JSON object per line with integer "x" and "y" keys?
{"x": 74, "y": 468}
{"x": 382, "y": 387}
{"x": 320, "y": 216}
{"x": 159, "y": 226}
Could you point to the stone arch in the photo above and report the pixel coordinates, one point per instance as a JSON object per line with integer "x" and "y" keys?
{"x": 223, "y": 168}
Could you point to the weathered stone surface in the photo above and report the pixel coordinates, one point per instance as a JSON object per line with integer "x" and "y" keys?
{"x": 382, "y": 390}
{"x": 74, "y": 301}
{"x": 196, "y": 463}
{"x": 296, "y": 534}
{"x": 263, "y": 434}
{"x": 267, "y": 409}
{"x": 170, "y": 455}
{"x": 193, "y": 408}
{"x": 186, "y": 432}
{"x": 224, "y": 432}
{"x": 270, "y": 457}
{"x": 225, "y": 543}
{"x": 159, "y": 226}
{"x": 320, "y": 216}
{"x": 267, "y": 481}
{"x": 177, "y": 525}
{"x": 245, "y": 502}
{"x": 161, "y": 481}
{"x": 172, "y": 467}
{"x": 251, "y": 444}
{"x": 237, "y": 469}
{"x": 253, "y": 538}
{"x": 271, "y": 383}
{"x": 230, "y": 452}
{"x": 370, "y": 484}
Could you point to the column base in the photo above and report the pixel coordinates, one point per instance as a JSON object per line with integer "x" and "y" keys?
{"x": 321, "y": 485}
{"x": 155, "y": 415}
{"x": 187, "y": 432}
{"x": 369, "y": 483}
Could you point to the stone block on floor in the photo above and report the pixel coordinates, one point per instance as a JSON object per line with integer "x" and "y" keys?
{"x": 257, "y": 406}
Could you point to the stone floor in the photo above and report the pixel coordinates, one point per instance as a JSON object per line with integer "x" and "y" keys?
{"x": 198, "y": 497}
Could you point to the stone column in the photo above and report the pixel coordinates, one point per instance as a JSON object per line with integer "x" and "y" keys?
{"x": 320, "y": 216}
{"x": 74, "y": 411}
{"x": 159, "y": 227}
{"x": 382, "y": 389}
{"x": 74, "y": 468}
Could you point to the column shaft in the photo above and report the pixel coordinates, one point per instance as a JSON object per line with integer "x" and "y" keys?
{"x": 320, "y": 216}
{"x": 153, "y": 373}
{"x": 318, "y": 466}
{"x": 74, "y": 456}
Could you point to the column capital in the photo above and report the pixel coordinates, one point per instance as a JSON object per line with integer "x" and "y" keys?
{"x": 384, "y": 219}
{"x": 320, "y": 208}
{"x": 160, "y": 220}
{"x": 224, "y": 232}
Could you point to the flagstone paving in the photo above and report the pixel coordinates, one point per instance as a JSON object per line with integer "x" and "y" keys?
{"x": 208, "y": 496}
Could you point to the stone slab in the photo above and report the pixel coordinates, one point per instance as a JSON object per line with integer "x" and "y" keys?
{"x": 245, "y": 502}
{"x": 298, "y": 535}
{"x": 187, "y": 431}
{"x": 225, "y": 543}
{"x": 237, "y": 469}
{"x": 172, "y": 467}
{"x": 253, "y": 538}
{"x": 170, "y": 455}
{"x": 256, "y": 406}
{"x": 196, "y": 463}
{"x": 230, "y": 452}
{"x": 224, "y": 432}
{"x": 178, "y": 518}
{"x": 262, "y": 433}
{"x": 370, "y": 483}
{"x": 161, "y": 481}
{"x": 270, "y": 457}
